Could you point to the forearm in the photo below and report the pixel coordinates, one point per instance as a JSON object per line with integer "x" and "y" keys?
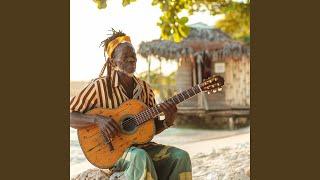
{"x": 79, "y": 120}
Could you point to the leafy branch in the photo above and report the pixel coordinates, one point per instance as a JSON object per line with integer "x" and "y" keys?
{"x": 236, "y": 21}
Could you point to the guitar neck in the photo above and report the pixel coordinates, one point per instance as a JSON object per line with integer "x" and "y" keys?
{"x": 176, "y": 99}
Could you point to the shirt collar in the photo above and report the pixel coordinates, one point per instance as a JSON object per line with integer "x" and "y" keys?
{"x": 115, "y": 79}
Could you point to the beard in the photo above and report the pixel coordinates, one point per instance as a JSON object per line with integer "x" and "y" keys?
{"x": 117, "y": 68}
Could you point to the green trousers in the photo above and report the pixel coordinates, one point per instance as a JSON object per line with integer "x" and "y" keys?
{"x": 156, "y": 162}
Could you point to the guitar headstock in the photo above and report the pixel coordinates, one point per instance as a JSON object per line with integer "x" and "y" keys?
{"x": 212, "y": 84}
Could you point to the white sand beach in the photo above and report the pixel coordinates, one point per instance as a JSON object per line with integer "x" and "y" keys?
{"x": 215, "y": 154}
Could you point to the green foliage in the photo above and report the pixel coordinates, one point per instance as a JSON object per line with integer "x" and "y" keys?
{"x": 126, "y": 2}
{"x": 102, "y": 4}
{"x": 173, "y": 27}
{"x": 162, "y": 85}
{"x": 236, "y": 21}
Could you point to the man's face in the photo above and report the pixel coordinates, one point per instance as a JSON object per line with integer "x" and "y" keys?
{"x": 125, "y": 57}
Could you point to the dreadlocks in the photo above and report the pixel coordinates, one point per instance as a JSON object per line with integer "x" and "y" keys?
{"x": 113, "y": 36}
{"x": 105, "y": 44}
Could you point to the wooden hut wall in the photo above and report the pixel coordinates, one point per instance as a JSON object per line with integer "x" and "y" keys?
{"x": 184, "y": 81}
{"x": 217, "y": 101}
{"x": 237, "y": 83}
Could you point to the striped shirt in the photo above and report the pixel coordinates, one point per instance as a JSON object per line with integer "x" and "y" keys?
{"x": 107, "y": 92}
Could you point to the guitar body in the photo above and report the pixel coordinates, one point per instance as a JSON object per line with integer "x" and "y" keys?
{"x": 92, "y": 141}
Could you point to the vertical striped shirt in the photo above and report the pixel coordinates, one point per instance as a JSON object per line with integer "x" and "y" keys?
{"x": 107, "y": 92}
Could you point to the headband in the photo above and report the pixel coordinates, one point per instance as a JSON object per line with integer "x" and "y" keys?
{"x": 114, "y": 43}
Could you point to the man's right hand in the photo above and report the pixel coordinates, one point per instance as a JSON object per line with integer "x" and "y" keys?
{"x": 107, "y": 126}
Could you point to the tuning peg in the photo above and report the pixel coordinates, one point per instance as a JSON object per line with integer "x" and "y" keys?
{"x": 208, "y": 92}
{"x": 220, "y": 89}
{"x": 214, "y": 91}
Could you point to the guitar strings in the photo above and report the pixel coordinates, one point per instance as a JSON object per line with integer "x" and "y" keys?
{"x": 142, "y": 114}
{"x": 129, "y": 121}
{"x": 134, "y": 120}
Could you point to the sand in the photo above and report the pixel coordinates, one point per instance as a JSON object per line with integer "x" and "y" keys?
{"x": 224, "y": 158}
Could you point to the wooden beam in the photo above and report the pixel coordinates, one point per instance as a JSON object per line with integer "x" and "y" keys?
{"x": 229, "y": 112}
{"x": 149, "y": 65}
{"x": 199, "y": 78}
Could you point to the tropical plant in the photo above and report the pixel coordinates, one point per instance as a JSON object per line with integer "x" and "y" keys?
{"x": 165, "y": 86}
{"x": 173, "y": 27}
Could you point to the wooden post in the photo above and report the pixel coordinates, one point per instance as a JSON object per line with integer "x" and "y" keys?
{"x": 149, "y": 65}
{"x": 194, "y": 65}
{"x": 231, "y": 123}
{"x": 160, "y": 85}
{"x": 184, "y": 78}
{"x": 199, "y": 77}
{"x": 160, "y": 66}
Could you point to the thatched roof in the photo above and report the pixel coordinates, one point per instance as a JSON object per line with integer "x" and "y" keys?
{"x": 201, "y": 38}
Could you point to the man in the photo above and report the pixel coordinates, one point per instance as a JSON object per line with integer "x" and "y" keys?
{"x": 150, "y": 161}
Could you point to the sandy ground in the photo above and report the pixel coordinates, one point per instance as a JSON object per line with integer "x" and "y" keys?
{"x": 207, "y": 146}
{"x": 221, "y": 159}
{"x": 215, "y": 155}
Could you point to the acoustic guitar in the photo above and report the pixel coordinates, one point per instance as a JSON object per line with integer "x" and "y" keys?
{"x": 136, "y": 123}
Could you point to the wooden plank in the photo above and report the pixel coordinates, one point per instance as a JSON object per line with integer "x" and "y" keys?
{"x": 244, "y": 112}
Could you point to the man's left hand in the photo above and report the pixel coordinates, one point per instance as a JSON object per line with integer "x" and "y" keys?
{"x": 170, "y": 111}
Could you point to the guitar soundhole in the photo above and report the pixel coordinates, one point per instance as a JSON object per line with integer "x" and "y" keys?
{"x": 128, "y": 124}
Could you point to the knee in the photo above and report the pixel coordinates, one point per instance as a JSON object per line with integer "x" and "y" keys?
{"x": 181, "y": 154}
{"x": 139, "y": 154}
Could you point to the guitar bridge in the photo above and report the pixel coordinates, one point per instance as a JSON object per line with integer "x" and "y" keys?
{"x": 110, "y": 146}
{"x": 108, "y": 142}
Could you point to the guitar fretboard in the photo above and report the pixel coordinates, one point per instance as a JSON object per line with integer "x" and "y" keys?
{"x": 176, "y": 99}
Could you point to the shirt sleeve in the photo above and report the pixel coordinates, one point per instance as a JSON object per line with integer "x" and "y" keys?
{"x": 152, "y": 99}
{"x": 85, "y": 100}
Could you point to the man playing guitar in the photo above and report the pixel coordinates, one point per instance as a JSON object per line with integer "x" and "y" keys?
{"x": 147, "y": 161}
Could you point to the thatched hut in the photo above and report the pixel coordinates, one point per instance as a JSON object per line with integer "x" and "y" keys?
{"x": 208, "y": 51}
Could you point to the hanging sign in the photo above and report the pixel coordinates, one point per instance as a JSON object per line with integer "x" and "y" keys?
{"x": 219, "y": 67}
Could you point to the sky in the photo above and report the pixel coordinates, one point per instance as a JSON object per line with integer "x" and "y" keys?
{"x": 89, "y": 26}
